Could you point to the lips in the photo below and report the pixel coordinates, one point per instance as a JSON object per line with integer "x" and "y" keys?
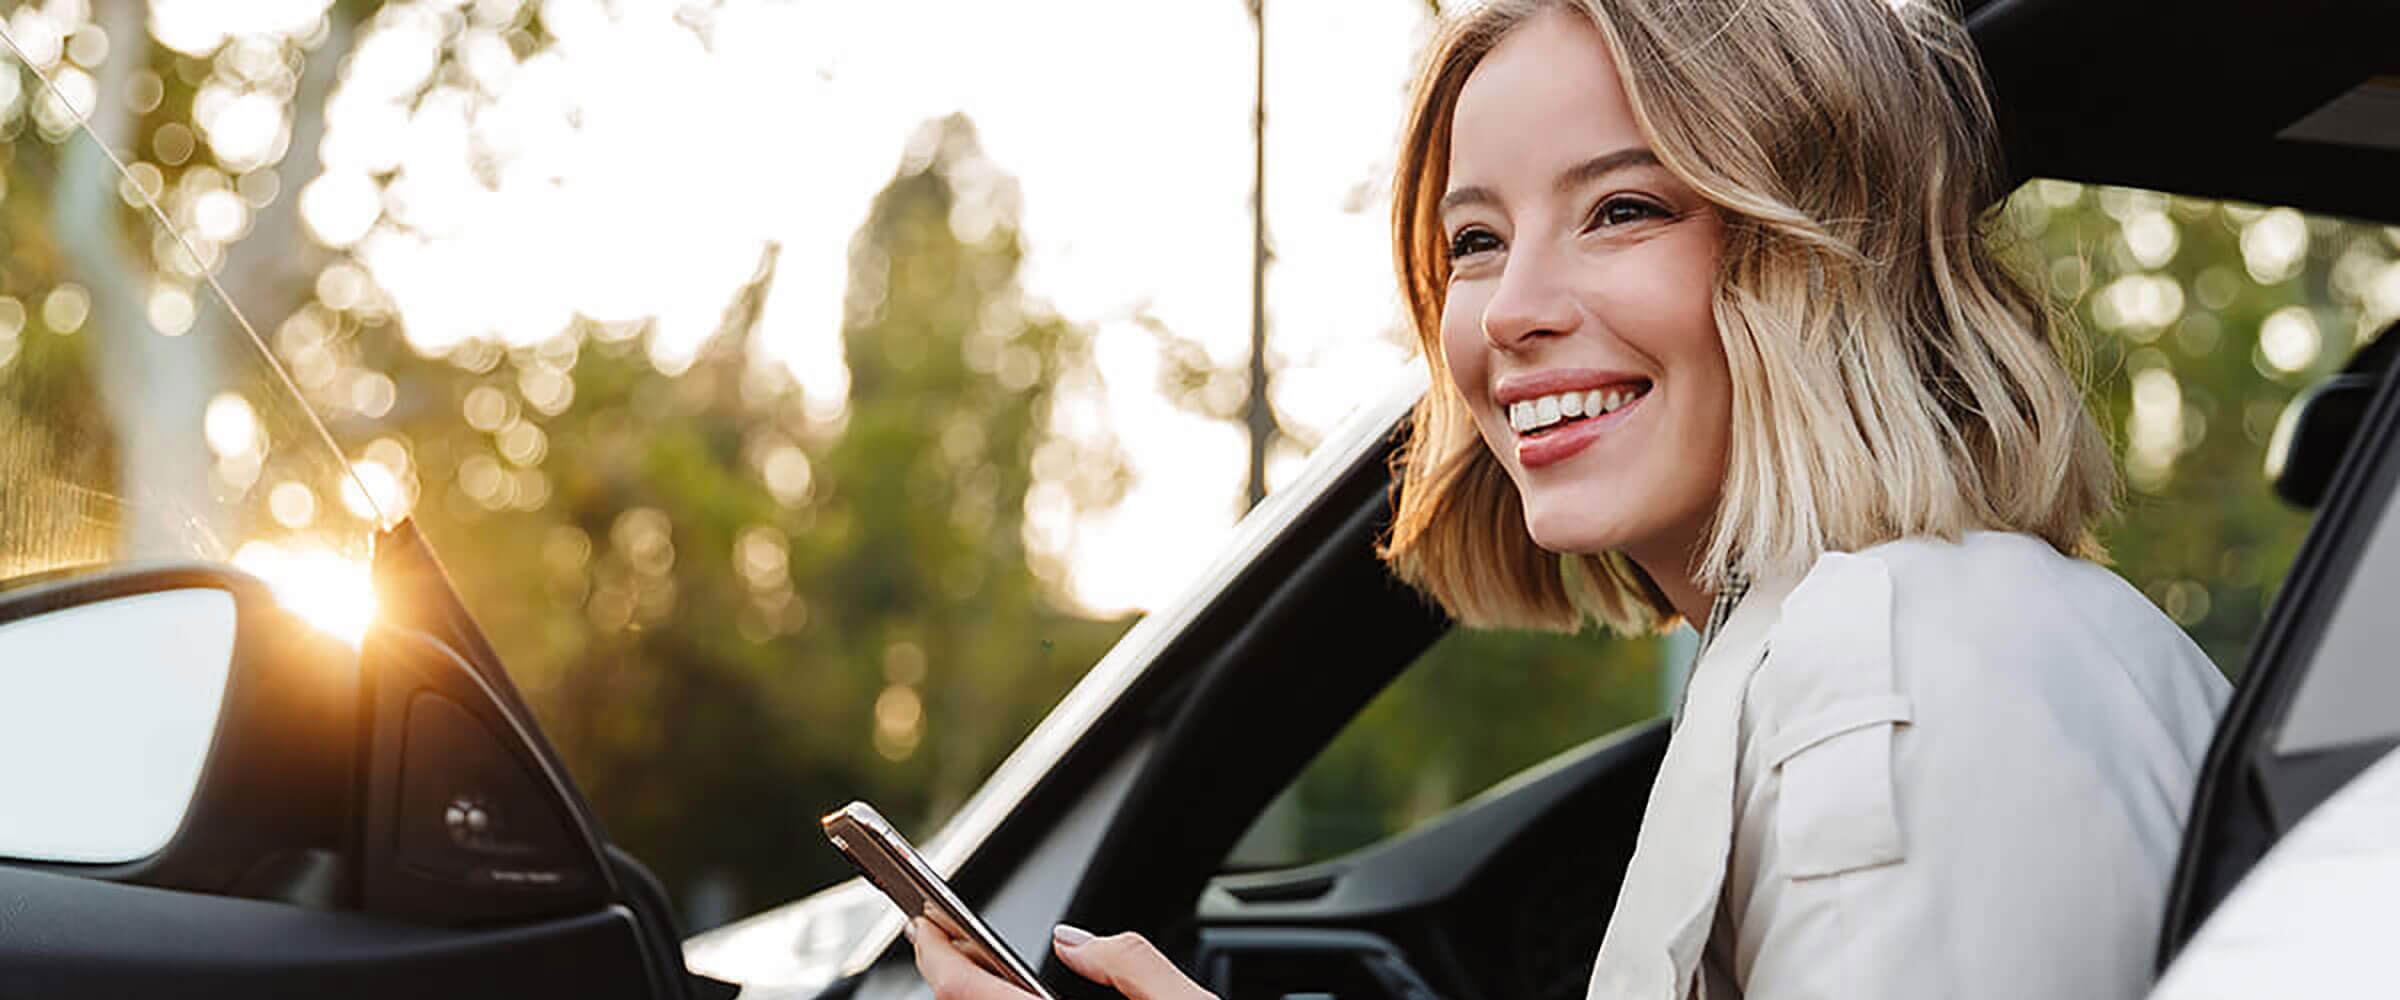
{"x": 1561, "y": 441}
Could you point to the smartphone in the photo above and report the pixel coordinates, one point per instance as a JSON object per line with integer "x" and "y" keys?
{"x": 888, "y": 861}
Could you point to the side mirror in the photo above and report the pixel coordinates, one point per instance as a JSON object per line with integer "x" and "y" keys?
{"x": 193, "y": 734}
{"x": 121, "y": 697}
{"x": 2313, "y": 434}
{"x": 175, "y": 727}
{"x": 2316, "y": 427}
{"x": 187, "y": 730}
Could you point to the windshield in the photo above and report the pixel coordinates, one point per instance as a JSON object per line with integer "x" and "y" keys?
{"x": 141, "y": 416}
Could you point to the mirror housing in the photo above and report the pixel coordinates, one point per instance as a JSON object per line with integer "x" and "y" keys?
{"x": 403, "y": 778}
{"x": 394, "y": 779}
{"x": 2317, "y": 426}
{"x": 2313, "y": 434}
{"x": 269, "y": 813}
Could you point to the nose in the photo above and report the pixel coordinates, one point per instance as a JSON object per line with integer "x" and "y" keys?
{"x": 1531, "y": 302}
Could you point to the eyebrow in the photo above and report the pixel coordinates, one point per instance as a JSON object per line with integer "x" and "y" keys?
{"x": 1568, "y": 180}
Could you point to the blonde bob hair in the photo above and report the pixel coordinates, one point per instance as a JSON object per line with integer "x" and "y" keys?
{"x": 1890, "y": 377}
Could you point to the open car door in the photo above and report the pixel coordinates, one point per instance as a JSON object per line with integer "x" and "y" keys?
{"x": 250, "y": 743}
{"x": 2320, "y": 703}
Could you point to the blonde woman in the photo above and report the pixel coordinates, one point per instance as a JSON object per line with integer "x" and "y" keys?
{"x": 1716, "y": 339}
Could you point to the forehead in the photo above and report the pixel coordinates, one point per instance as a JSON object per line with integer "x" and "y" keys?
{"x": 1547, "y": 97}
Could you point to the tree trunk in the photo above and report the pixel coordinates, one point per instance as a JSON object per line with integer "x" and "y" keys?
{"x": 155, "y": 388}
{"x": 152, "y": 388}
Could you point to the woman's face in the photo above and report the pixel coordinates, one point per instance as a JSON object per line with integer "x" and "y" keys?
{"x": 1577, "y": 324}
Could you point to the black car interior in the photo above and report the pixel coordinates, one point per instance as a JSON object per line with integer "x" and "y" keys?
{"x": 1504, "y": 896}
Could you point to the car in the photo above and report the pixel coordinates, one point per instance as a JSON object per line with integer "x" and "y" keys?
{"x": 222, "y": 788}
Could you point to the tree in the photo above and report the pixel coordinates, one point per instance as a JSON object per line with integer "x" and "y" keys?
{"x": 732, "y": 618}
{"x": 2202, "y": 319}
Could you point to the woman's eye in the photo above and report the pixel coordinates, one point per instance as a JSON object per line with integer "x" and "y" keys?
{"x": 1472, "y": 241}
{"x": 1623, "y": 210}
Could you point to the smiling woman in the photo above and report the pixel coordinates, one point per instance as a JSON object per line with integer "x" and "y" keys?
{"x": 1716, "y": 336}
{"x": 1713, "y": 318}
{"x": 1555, "y": 215}
{"x": 1829, "y": 245}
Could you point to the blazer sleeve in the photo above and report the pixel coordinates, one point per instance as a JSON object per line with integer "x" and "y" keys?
{"x": 1919, "y": 814}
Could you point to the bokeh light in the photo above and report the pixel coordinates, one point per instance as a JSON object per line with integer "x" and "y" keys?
{"x": 2289, "y": 339}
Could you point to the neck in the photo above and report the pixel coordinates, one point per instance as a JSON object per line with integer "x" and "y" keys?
{"x": 1671, "y": 558}
{"x": 1676, "y": 578}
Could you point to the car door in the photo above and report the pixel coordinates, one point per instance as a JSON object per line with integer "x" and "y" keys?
{"x": 2320, "y": 702}
{"x": 251, "y": 745}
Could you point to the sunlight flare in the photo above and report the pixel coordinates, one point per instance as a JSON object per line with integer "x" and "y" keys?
{"x": 325, "y": 588}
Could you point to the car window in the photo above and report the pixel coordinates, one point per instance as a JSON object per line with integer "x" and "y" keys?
{"x": 1472, "y": 710}
{"x": 2202, "y": 319}
{"x": 142, "y": 417}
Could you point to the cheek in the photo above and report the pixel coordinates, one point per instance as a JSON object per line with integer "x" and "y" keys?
{"x": 1462, "y": 345}
{"x": 1677, "y": 296}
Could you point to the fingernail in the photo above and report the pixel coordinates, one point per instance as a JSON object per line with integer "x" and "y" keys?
{"x": 1070, "y": 935}
{"x": 910, "y": 928}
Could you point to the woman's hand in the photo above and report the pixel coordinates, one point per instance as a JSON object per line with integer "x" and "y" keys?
{"x": 1126, "y": 962}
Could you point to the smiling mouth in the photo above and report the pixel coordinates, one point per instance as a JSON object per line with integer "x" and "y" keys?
{"x": 1543, "y": 415}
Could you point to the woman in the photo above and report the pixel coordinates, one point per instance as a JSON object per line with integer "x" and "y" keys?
{"x": 1715, "y": 338}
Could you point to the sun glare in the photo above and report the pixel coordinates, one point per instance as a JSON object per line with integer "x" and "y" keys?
{"x": 325, "y": 588}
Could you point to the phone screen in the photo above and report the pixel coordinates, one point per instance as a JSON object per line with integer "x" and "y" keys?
{"x": 894, "y": 866}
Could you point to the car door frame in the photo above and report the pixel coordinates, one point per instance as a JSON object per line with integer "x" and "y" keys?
{"x": 2249, "y": 793}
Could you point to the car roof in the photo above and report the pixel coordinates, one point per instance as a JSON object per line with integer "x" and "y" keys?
{"x": 2279, "y": 102}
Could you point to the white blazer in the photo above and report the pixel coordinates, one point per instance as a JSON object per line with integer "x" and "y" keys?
{"x": 1921, "y": 770}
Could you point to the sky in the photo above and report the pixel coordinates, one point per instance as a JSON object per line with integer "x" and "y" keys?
{"x": 1124, "y": 125}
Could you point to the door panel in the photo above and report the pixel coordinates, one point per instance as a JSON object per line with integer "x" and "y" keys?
{"x": 61, "y": 935}
{"x": 1505, "y": 896}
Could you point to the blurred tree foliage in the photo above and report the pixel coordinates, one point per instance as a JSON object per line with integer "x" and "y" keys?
{"x": 732, "y": 617}
{"x": 2203, "y": 319}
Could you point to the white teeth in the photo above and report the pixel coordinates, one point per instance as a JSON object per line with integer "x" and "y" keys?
{"x": 1525, "y": 416}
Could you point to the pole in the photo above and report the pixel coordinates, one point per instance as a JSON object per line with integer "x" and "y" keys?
{"x": 1258, "y": 415}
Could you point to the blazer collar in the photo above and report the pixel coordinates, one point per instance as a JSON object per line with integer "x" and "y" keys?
{"x": 1669, "y": 895}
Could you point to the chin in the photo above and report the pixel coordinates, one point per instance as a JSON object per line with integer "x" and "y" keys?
{"x": 1573, "y": 531}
